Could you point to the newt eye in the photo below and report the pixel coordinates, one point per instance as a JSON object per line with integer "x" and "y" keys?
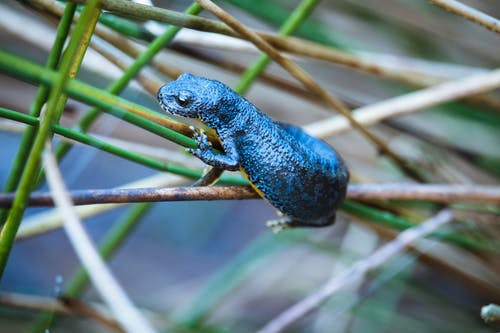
{"x": 184, "y": 98}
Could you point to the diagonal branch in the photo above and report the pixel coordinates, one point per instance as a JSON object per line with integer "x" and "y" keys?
{"x": 356, "y": 271}
{"x": 306, "y": 80}
{"x": 471, "y": 14}
{"x": 408, "y": 103}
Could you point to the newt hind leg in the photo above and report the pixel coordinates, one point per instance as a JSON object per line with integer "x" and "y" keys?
{"x": 287, "y": 222}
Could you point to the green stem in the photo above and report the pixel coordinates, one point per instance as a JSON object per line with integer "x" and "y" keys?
{"x": 396, "y": 222}
{"x": 20, "y": 117}
{"x": 70, "y": 63}
{"x": 109, "y": 103}
{"x": 36, "y": 107}
{"x": 54, "y": 57}
{"x": 112, "y": 149}
{"x": 298, "y": 16}
{"x": 75, "y": 67}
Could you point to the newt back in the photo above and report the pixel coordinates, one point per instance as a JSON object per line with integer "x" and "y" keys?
{"x": 298, "y": 174}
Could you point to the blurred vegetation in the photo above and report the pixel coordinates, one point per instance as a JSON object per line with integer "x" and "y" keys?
{"x": 213, "y": 266}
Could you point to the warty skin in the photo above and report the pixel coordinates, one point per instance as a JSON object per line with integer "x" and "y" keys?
{"x": 303, "y": 177}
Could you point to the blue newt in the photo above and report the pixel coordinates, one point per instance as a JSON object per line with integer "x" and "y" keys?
{"x": 301, "y": 176}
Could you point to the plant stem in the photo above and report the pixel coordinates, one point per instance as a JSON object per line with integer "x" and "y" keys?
{"x": 411, "y": 102}
{"x": 297, "y": 17}
{"x": 435, "y": 193}
{"x": 40, "y": 98}
{"x": 105, "y": 283}
{"x": 471, "y": 14}
{"x": 69, "y": 66}
{"x": 113, "y": 239}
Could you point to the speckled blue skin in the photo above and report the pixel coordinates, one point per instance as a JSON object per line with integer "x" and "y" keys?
{"x": 300, "y": 175}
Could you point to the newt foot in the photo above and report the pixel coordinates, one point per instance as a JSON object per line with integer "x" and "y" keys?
{"x": 279, "y": 225}
{"x": 201, "y": 139}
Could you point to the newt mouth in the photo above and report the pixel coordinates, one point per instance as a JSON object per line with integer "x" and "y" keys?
{"x": 161, "y": 102}
{"x": 164, "y": 107}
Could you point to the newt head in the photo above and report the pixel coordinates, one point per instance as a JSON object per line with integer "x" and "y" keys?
{"x": 192, "y": 96}
{"x": 179, "y": 97}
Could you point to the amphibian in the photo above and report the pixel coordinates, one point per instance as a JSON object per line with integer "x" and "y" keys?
{"x": 303, "y": 177}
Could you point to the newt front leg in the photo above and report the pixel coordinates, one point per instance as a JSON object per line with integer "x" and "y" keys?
{"x": 228, "y": 161}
